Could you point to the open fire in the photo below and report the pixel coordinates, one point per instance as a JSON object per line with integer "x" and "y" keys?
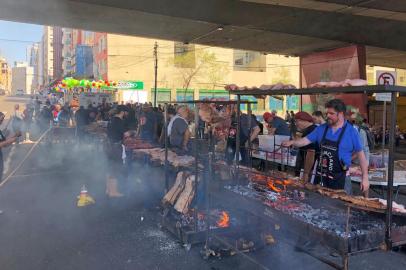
{"x": 224, "y": 220}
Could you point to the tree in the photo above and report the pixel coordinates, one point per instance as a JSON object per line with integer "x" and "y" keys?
{"x": 216, "y": 72}
{"x": 195, "y": 64}
{"x": 282, "y": 75}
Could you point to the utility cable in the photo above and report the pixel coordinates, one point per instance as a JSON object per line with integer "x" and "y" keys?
{"x": 24, "y": 159}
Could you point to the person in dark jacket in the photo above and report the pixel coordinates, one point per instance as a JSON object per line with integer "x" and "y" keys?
{"x": 115, "y": 132}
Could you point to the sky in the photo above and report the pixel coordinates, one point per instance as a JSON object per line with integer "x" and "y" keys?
{"x": 14, "y": 37}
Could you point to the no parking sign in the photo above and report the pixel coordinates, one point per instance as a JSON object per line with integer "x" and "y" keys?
{"x": 385, "y": 78}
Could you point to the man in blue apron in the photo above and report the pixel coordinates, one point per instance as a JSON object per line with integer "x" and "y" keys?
{"x": 338, "y": 141}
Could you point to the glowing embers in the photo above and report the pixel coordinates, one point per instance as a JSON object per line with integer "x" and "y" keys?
{"x": 224, "y": 220}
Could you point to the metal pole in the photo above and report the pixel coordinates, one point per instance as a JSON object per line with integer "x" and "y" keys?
{"x": 383, "y": 132}
{"x": 196, "y": 152}
{"x": 248, "y": 151}
{"x": 301, "y": 102}
{"x": 237, "y": 139}
{"x": 156, "y": 71}
{"x": 166, "y": 148}
{"x": 390, "y": 171}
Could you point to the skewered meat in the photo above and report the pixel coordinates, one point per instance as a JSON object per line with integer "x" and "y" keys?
{"x": 207, "y": 113}
{"x": 136, "y": 143}
{"x": 356, "y": 82}
{"x": 345, "y": 83}
{"x": 158, "y": 154}
{"x": 231, "y": 87}
{"x": 264, "y": 87}
{"x": 399, "y": 208}
{"x": 278, "y": 86}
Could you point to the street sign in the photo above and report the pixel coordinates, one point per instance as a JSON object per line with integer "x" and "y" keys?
{"x": 384, "y": 77}
{"x": 383, "y": 97}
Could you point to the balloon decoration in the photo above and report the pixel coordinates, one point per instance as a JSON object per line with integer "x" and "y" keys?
{"x": 70, "y": 84}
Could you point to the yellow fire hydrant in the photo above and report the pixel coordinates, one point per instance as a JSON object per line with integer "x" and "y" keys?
{"x": 84, "y": 198}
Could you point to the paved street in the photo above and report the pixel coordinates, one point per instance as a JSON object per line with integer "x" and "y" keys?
{"x": 41, "y": 227}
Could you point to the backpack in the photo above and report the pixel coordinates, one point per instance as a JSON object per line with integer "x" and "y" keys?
{"x": 370, "y": 137}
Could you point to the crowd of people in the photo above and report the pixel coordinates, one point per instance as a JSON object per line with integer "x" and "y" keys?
{"x": 145, "y": 122}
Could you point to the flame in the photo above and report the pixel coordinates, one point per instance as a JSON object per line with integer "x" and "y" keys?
{"x": 224, "y": 220}
{"x": 272, "y": 186}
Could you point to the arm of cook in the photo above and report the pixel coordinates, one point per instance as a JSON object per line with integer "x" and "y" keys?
{"x": 313, "y": 137}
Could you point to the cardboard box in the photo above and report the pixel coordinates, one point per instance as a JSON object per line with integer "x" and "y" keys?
{"x": 271, "y": 142}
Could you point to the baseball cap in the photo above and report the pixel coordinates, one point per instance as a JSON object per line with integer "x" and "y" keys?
{"x": 303, "y": 116}
{"x": 267, "y": 115}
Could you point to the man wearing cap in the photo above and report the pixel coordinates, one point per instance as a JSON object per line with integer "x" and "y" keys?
{"x": 276, "y": 125}
{"x": 338, "y": 141}
{"x": 304, "y": 123}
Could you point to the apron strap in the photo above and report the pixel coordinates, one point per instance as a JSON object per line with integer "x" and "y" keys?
{"x": 341, "y": 135}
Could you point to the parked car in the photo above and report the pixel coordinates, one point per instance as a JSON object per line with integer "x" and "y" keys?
{"x": 20, "y": 92}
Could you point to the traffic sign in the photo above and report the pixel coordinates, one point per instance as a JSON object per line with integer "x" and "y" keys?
{"x": 383, "y": 97}
{"x": 385, "y": 77}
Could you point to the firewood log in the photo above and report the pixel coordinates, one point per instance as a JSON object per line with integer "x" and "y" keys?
{"x": 186, "y": 197}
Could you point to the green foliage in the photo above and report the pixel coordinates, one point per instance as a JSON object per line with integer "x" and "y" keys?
{"x": 282, "y": 75}
{"x": 198, "y": 64}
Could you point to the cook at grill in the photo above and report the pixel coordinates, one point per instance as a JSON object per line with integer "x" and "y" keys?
{"x": 338, "y": 141}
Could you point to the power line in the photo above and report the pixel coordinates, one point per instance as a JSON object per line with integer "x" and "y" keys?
{"x": 18, "y": 40}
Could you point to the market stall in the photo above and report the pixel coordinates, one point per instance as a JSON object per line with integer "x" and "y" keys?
{"x": 310, "y": 216}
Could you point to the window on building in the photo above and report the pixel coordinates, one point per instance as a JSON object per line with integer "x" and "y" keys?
{"x": 401, "y": 79}
{"x": 249, "y": 61}
{"x": 184, "y": 55}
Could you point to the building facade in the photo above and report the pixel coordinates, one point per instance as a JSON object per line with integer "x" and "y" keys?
{"x": 67, "y": 52}
{"x": 82, "y": 53}
{"x": 46, "y": 55}
{"x": 22, "y": 78}
{"x": 100, "y": 56}
{"x": 5, "y": 75}
{"x": 125, "y": 58}
{"x": 57, "y": 53}
{"x": 84, "y": 62}
{"x": 33, "y": 61}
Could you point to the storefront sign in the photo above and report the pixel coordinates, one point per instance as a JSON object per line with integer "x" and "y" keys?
{"x": 130, "y": 85}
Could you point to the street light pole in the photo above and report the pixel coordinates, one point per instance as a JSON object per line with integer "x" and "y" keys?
{"x": 156, "y": 71}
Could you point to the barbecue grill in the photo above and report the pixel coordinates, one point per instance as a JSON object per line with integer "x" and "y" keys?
{"x": 316, "y": 220}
